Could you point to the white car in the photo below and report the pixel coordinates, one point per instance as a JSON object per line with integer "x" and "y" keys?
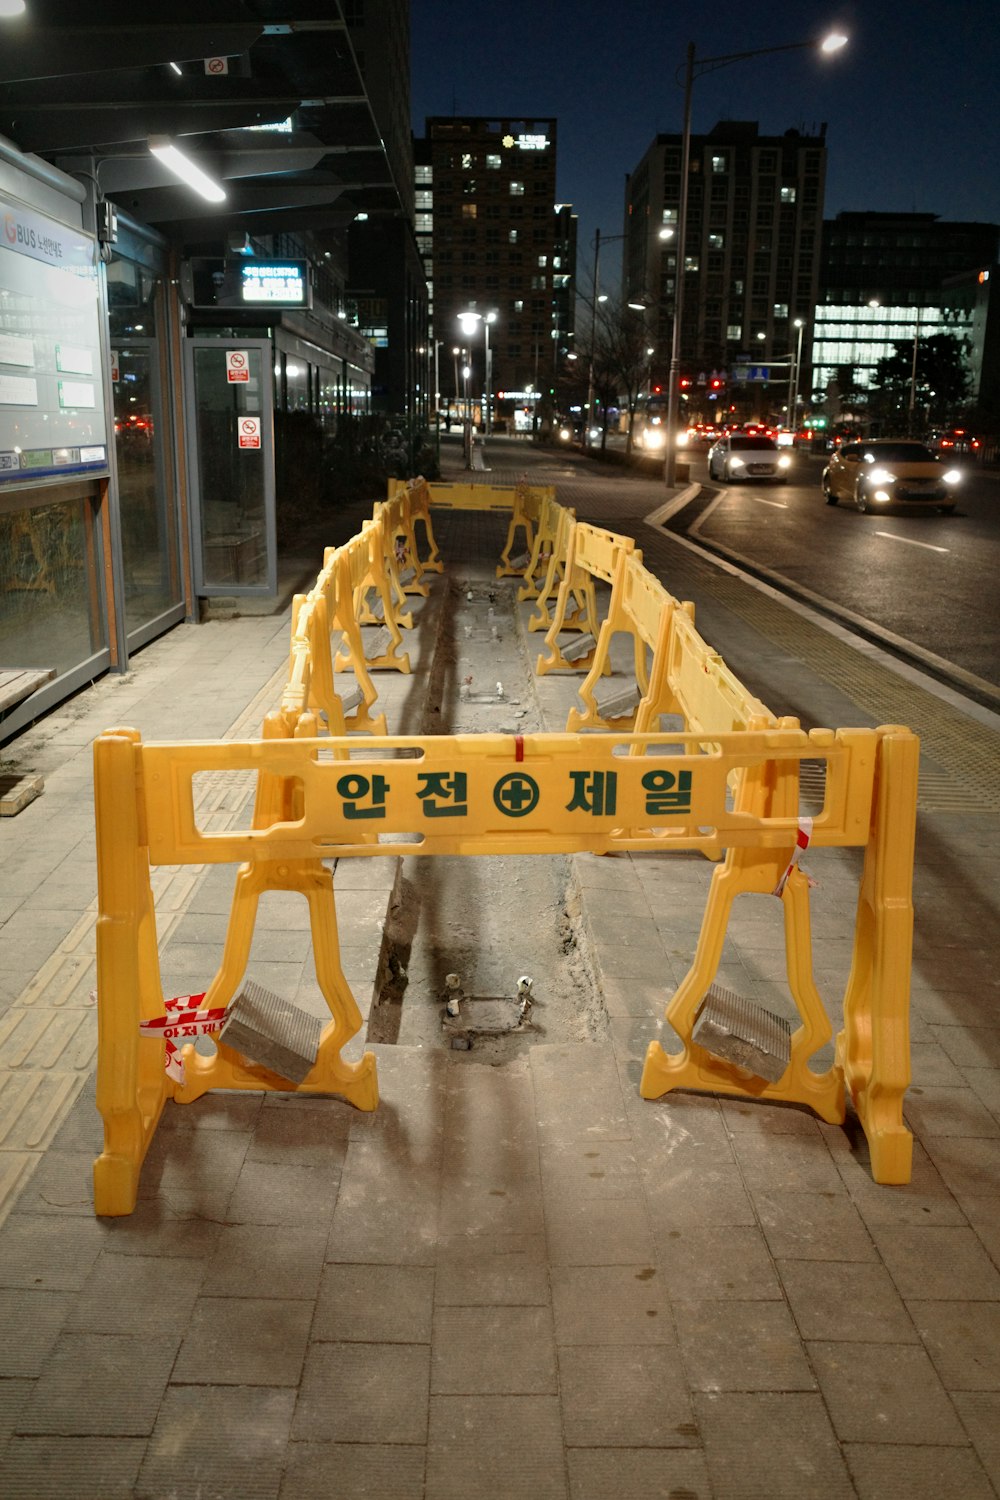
{"x": 747, "y": 455}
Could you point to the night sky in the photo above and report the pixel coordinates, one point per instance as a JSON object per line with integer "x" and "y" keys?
{"x": 910, "y": 103}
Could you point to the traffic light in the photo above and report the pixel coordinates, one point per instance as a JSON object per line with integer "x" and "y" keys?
{"x": 685, "y": 383}
{"x": 716, "y": 383}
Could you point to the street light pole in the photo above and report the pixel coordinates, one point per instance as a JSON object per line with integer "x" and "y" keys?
{"x": 674, "y": 377}
{"x": 911, "y": 420}
{"x": 831, "y": 43}
{"x": 793, "y": 400}
{"x": 587, "y": 423}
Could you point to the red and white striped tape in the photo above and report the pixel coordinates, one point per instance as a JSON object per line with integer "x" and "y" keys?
{"x": 801, "y": 842}
{"x": 183, "y": 1021}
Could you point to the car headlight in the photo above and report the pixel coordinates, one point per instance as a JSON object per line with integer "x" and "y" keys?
{"x": 881, "y": 476}
{"x": 952, "y": 476}
{"x": 564, "y": 433}
{"x": 682, "y": 439}
{"x": 736, "y": 463}
{"x": 655, "y": 437}
{"x": 784, "y": 462}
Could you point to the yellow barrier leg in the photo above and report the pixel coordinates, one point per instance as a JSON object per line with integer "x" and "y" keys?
{"x": 749, "y": 872}
{"x": 357, "y": 1082}
{"x": 874, "y": 1046}
{"x": 131, "y": 1083}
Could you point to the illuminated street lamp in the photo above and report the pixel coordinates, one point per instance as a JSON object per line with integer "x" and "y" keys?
{"x": 694, "y": 68}
{"x": 468, "y": 322}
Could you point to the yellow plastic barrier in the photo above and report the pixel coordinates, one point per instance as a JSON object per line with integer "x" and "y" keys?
{"x": 132, "y": 1085}
{"x": 528, "y": 501}
{"x": 591, "y": 553}
{"x": 640, "y": 607}
{"x": 402, "y": 556}
{"x": 551, "y": 543}
{"x": 366, "y": 568}
{"x": 311, "y": 684}
{"x": 728, "y": 783}
{"x": 417, "y": 496}
{"x": 872, "y": 1051}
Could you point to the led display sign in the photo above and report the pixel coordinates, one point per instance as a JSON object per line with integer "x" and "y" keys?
{"x": 275, "y": 283}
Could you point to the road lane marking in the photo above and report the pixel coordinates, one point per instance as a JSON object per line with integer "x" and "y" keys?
{"x": 893, "y": 537}
{"x": 781, "y": 504}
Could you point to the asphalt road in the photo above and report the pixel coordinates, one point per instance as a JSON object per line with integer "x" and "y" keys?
{"x": 917, "y": 579}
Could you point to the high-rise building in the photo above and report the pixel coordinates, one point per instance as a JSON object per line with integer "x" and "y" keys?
{"x": 751, "y": 258}
{"x": 494, "y": 240}
{"x": 882, "y": 283}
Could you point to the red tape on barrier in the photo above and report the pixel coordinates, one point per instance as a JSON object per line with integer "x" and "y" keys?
{"x": 184, "y": 1020}
{"x": 519, "y": 747}
{"x": 801, "y": 842}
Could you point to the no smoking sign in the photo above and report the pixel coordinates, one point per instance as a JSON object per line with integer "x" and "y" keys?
{"x": 249, "y": 432}
{"x": 237, "y": 366}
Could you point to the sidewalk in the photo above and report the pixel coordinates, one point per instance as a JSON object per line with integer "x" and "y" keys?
{"x": 518, "y": 1279}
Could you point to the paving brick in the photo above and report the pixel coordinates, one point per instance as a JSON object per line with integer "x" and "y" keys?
{"x": 480, "y": 1351}
{"x": 770, "y": 1447}
{"x": 653, "y": 1473}
{"x": 844, "y": 1300}
{"x": 741, "y": 1346}
{"x": 88, "y": 1468}
{"x": 949, "y": 1112}
{"x": 135, "y": 1294}
{"x": 245, "y": 1341}
{"x": 969, "y": 1168}
{"x": 286, "y": 1261}
{"x": 211, "y": 1441}
{"x": 501, "y": 1269}
{"x": 354, "y": 1471}
{"x": 375, "y": 1304}
{"x": 924, "y": 1472}
{"x": 980, "y": 1414}
{"x": 301, "y": 1197}
{"x": 611, "y": 1305}
{"x": 596, "y": 1231}
{"x": 623, "y": 1397}
{"x": 30, "y": 1323}
{"x": 884, "y": 1392}
{"x": 40, "y": 1252}
{"x": 14, "y": 1397}
{"x": 193, "y": 1171}
{"x": 813, "y": 1226}
{"x": 793, "y": 1163}
{"x": 937, "y": 1263}
{"x": 364, "y": 1393}
{"x": 100, "y": 1385}
{"x": 963, "y": 1340}
{"x": 504, "y": 1446}
{"x": 702, "y": 1264}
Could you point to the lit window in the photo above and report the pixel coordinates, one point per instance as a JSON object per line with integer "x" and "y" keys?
{"x": 518, "y": 305}
{"x": 690, "y": 262}
{"x": 543, "y": 261}
{"x": 670, "y": 216}
{"x": 493, "y": 162}
{"x": 468, "y": 210}
{"x": 781, "y": 309}
{"x": 512, "y": 236}
{"x": 788, "y": 195}
{"x": 468, "y": 160}
{"x": 716, "y": 241}
{"x": 734, "y": 331}
{"x": 720, "y": 163}
{"x": 517, "y": 190}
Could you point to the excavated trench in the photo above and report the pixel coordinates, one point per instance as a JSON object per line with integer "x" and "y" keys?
{"x": 488, "y": 919}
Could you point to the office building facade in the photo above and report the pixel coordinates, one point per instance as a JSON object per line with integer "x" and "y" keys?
{"x": 495, "y": 241}
{"x": 751, "y": 255}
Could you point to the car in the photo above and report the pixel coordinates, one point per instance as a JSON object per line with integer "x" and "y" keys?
{"x": 746, "y": 455}
{"x": 955, "y": 440}
{"x": 890, "y": 471}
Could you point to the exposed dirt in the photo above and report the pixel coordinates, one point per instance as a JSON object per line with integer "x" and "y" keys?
{"x": 489, "y": 919}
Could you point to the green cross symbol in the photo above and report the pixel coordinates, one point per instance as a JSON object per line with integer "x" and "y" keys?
{"x": 515, "y": 794}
